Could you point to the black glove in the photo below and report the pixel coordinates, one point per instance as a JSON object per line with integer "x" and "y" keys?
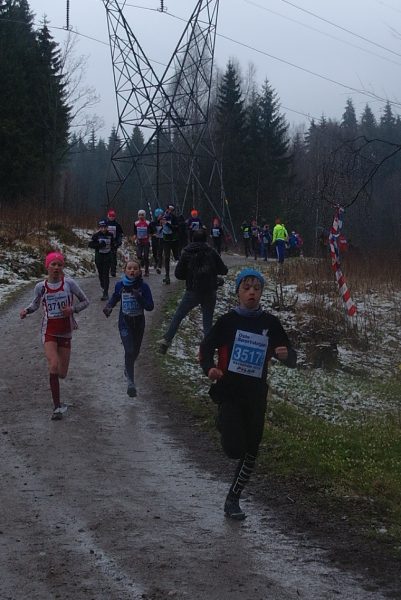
{"x": 107, "y": 311}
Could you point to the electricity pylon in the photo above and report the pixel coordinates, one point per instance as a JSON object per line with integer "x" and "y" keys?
{"x": 171, "y": 111}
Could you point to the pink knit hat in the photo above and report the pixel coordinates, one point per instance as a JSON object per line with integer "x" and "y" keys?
{"x": 53, "y": 256}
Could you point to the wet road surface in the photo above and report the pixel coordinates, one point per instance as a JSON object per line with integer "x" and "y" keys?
{"x": 106, "y": 504}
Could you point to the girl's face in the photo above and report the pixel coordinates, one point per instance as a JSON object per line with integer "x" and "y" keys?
{"x": 55, "y": 270}
{"x": 249, "y": 293}
{"x": 132, "y": 269}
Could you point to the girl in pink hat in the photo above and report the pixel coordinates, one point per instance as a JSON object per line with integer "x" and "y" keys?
{"x": 56, "y": 295}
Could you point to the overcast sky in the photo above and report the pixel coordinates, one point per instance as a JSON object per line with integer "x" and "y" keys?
{"x": 362, "y": 53}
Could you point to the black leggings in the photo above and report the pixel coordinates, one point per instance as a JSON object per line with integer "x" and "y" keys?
{"x": 240, "y": 422}
{"x": 131, "y": 333}
{"x": 103, "y": 263}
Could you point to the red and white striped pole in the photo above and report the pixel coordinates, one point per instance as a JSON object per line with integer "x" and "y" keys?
{"x": 335, "y": 261}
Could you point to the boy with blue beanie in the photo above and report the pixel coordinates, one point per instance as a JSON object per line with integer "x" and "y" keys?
{"x": 246, "y": 338}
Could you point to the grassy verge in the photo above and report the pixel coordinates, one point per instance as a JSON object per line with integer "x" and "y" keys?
{"x": 346, "y": 462}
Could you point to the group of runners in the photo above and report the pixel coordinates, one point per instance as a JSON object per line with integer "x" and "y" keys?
{"x": 159, "y": 238}
{"x": 262, "y": 242}
{"x": 245, "y": 338}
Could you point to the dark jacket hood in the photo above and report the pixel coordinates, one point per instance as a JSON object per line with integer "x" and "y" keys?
{"x": 194, "y": 247}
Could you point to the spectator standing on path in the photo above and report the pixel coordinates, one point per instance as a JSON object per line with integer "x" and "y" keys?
{"x": 115, "y": 228}
{"x": 266, "y": 241}
{"x": 56, "y": 295}
{"x": 170, "y": 225}
{"x": 280, "y": 239}
{"x": 246, "y": 238}
{"x": 246, "y": 338}
{"x": 199, "y": 265}
{"x": 135, "y": 297}
{"x": 217, "y": 234}
{"x": 293, "y": 244}
{"x": 103, "y": 243}
{"x": 255, "y": 241}
{"x": 157, "y": 240}
{"x": 143, "y": 231}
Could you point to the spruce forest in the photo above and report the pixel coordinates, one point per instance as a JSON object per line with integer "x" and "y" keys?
{"x": 267, "y": 169}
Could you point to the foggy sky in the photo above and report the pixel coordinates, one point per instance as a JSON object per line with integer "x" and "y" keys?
{"x": 270, "y": 27}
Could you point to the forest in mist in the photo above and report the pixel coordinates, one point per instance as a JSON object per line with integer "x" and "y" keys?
{"x": 266, "y": 170}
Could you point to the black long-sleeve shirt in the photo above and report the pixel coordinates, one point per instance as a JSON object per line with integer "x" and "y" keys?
{"x": 245, "y": 344}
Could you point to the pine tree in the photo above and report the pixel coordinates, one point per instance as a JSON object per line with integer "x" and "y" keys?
{"x": 349, "y": 122}
{"x": 230, "y": 135}
{"x": 51, "y": 109}
{"x": 20, "y": 167}
{"x": 33, "y": 115}
{"x": 275, "y": 157}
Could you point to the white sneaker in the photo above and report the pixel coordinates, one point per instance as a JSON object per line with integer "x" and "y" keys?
{"x": 63, "y": 408}
{"x": 57, "y": 414}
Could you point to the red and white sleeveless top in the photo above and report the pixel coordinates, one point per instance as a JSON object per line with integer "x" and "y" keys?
{"x": 56, "y": 297}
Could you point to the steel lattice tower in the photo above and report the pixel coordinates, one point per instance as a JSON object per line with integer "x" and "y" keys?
{"x": 171, "y": 111}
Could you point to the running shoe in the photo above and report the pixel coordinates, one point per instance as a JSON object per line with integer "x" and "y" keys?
{"x": 166, "y": 280}
{"x": 232, "y": 508}
{"x": 158, "y": 271}
{"x": 163, "y": 345}
{"x": 57, "y": 414}
{"x": 63, "y": 408}
{"x": 105, "y": 296}
{"x": 131, "y": 390}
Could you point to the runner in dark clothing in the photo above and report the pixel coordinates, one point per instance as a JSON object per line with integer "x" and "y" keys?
{"x": 115, "y": 228}
{"x": 103, "y": 244}
{"x": 246, "y": 338}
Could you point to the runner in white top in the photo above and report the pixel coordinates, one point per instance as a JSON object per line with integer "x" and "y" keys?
{"x": 56, "y": 295}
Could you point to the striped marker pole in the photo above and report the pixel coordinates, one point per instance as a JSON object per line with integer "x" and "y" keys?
{"x": 335, "y": 262}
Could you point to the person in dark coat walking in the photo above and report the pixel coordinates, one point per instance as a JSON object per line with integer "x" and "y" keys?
{"x": 199, "y": 266}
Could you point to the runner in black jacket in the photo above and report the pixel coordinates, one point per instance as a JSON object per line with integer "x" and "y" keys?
{"x": 199, "y": 266}
{"x": 246, "y": 338}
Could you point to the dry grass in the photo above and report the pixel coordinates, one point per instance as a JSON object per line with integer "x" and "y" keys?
{"x": 30, "y": 222}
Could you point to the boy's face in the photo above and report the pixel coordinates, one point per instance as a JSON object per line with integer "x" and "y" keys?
{"x": 249, "y": 293}
{"x": 132, "y": 269}
{"x": 103, "y": 228}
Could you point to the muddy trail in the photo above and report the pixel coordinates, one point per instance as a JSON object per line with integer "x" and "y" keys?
{"x": 109, "y": 504}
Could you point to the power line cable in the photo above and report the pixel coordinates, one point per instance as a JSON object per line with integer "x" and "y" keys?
{"x": 361, "y": 37}
{"x": 329, "y": 35}
{"x": 388, "y": 6}
{"x": 295, "y": 66}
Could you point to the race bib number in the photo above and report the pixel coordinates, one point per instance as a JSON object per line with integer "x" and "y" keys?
{"x": 105, "y": 249}
{"x": 55, "y": 302}
{"x": 246, "y": 235}
{"x": 216, "y": 232}
{"x": 113, "y": 230}
{"x": 130, "y": 305}
{"x": 248, "y": 354}
{"x": 167, "y": 229}
{"x": 141, "y": 233}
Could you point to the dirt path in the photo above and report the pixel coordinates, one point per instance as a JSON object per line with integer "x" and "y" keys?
{"x": 107, "y": 504}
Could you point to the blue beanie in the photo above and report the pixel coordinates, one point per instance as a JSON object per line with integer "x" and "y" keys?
{"x": 248, "y": 273}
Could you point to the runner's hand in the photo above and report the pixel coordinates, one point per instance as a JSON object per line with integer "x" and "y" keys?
{"x": 215, "y": 374}
{"x": 23, "y": 313}
{"x": 67, "y": 311}
{"x": 281, "y": 352}
{"x": 107, "y": 311}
